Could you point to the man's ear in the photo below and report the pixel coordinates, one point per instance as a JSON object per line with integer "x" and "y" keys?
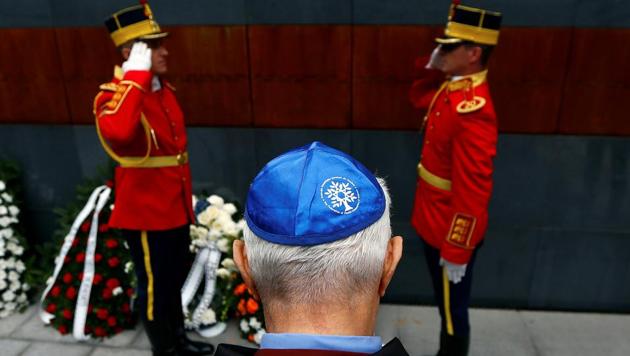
{"x": 125, "y": 52}
{"x": 392, "y": 257}
{"x": 474, "y": 54}
{"x": 240, "y": 258}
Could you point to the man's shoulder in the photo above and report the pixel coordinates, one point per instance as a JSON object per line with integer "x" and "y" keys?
{"x": 234, "y": 350}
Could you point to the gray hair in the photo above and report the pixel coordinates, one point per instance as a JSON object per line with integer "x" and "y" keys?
{"x": 316, "y": 274}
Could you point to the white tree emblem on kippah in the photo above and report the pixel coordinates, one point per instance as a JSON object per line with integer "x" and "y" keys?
{"x": 340, "y": 195}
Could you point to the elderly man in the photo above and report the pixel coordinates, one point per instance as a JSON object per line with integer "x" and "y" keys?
{"x": 318, "y": 252}
{"x": 455, "y": 171}
{"x": 141, "y": 126}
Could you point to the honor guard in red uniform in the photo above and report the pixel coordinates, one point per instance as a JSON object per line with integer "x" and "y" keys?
{"x": 141, "y": 126}
{"x": 455, "y": 170}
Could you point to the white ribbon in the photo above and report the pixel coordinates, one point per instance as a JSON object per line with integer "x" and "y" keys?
{"x": 205, "y": 265}
{"x": 83, "y": 300}
{"x": 67, "y": 244}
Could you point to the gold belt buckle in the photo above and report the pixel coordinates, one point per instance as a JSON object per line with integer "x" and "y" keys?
{"x": 182, "y": 158}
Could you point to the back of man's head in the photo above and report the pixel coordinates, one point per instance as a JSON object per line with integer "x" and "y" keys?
{"x": 318, "y": 230}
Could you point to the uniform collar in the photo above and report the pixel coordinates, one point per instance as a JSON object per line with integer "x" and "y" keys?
{"x": 460, "y": 82}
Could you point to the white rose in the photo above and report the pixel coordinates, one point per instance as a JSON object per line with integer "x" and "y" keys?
{"x": 20, "y": 267}
{"x": 204, "y": 218}
{"x": 14, "y": 210}
{"x": 258, "y": 336}
{"x": 223, "y": 273}
{"x": 10, "y": 306}
{"x": 223, "y": 245}
{"x": 11, "y": 246}
{"x": 26, "y": 286}
{"x": 3, "y": 274}
{"x": 11, "y": 263}
{"x": 117, "y": 291}
{"x": 5, "y": 221}
{"x": 3, "y": 285}
{"x": 49, "y": 281}
{"x": 241, "y": 224}
{"x": 229, "y": 208}
{"x": 215, "y": 200}
{"x": 19, "y": 250}
{"x": 208, "y": 317}
{"x": 22, "y": 298}
{"x": 15, "y": 286}
{"x": 254, "y": 323}
{"x": 13, "y": 276}
{"x": 228, "y": 263}
{"x": 3, "y": 210}
{"x": 244, "y": 325}
{"x": 213, "y": 235}
{"x": 8, "y": 296}
{"x": 2, "y": 185}
{"x": 128, "y": 267}
{"x": 4, "y": 313}
{"x": 6, "y": 197}
{"x": 232, "y": 230}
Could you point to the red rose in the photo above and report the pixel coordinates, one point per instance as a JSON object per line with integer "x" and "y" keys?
{"x": 113, "y": 262}
{"x": 62, "y": 329}
{"x": 102, "y": 313}
{"x": 97, "y": 279}
{"x": 103, "y": 228}
{"x": 80, "y": 257}
{"x": 107, "y": 293}
{"x": 67, "y": 278}
{"x": 85, "y": 226}
{"x": 54, "y": 292}
{"x": 111, "y": 243}
{"x": 99, "y": 331}
{"x": 98, "y": 257}
{"x": 112, "y": 283}
{"x": 67, "y": 314}
{"x": 51, "y": 308}
{"x": 125, "y": 308}
{"x": 111, "y": 321}
{"x": 71, "y": 293}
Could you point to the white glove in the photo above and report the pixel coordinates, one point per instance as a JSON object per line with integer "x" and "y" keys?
{"x": 454, "y": 271}
{"x": 139, "y": 58}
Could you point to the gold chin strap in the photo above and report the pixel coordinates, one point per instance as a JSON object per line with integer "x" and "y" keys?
{"x": 127, "y": 161}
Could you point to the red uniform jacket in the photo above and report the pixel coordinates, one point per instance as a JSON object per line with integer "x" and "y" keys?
{"x": 146, "y": 198}
{"x": 455, "y": 170}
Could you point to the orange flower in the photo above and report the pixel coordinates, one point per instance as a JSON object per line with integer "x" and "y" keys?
{"x": 252, "y": 306}
{"x": 240, "y": 289}
{"x": 241, "y": 307}
{"x": 250, "y": 337}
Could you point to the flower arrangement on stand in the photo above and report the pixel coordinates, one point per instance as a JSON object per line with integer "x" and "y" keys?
{"x": 92, "y": 284}
{"x": 13, "y": 287}
{"x": 225, "y": 296}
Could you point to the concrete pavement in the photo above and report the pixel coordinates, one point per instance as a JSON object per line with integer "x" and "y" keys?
{"x": 495, "y": 332}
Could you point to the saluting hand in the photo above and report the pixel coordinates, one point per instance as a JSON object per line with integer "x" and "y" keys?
{"x": 454, "y": 271}
{"x": 139, "y": 58}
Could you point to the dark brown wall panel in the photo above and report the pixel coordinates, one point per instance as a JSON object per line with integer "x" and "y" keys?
{"x": 383, "y": 70}
{"x": 597, "y": 89}
{"x": 208, "y": 65}
{"x": 301, "y": 75}
{"x": 526, "y": 77}
{"x": 87, "y": 59}
{"x": 31, "y": 83}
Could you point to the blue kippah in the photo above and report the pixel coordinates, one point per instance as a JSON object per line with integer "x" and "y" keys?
{"x": 312, "y": 195}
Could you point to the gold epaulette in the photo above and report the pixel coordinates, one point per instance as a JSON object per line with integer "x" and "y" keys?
{"x": 470, "y": 102}
{"x": 109, "y": 86}
{"x": 467, "y": 106}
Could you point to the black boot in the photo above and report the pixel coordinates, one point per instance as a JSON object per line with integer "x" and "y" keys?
{"x": 187, "y": 347}
{"x": 162, "y": 338}
{"x": 451, "y": 345}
